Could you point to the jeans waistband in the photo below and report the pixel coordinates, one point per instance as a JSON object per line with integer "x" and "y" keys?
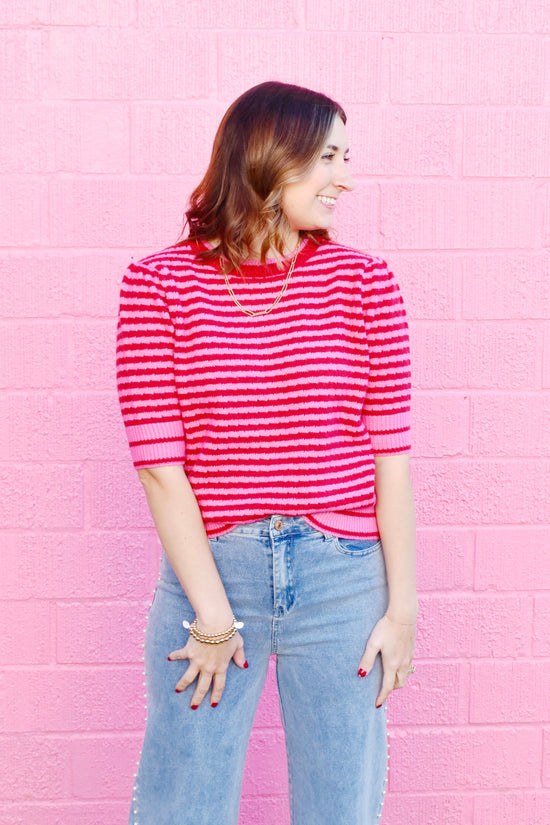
{"x": 275, "y": 524}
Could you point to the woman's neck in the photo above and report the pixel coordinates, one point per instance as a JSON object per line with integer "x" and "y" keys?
{"x": 290, "y": 247}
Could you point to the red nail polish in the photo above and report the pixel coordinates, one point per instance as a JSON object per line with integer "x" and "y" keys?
{"x": 362, "y": 673}
{"x": 178, "y": 690}
{"x": 214, "y": 704}
{"x": 169, "y": 659}
{"x": 245, "y": 664}
{"x": 194, "y": 707}
{"x": 379, "y": 706}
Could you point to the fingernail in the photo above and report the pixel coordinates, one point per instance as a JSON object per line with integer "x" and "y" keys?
{"x": 169, "y": 659}
{"x": 194, "y": 707}
{"x": 245, "y": 664}
{"x": 179, "y": 690}
{"x": 379, "y": 706}
{"x": 214, "y": 704}
{"x": 362, "y": 673}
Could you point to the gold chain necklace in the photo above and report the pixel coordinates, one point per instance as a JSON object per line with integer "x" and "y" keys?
{"x": 277, "y": 299}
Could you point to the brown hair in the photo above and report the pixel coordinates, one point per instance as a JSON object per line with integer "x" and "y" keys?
{"x": 270, "y": 136}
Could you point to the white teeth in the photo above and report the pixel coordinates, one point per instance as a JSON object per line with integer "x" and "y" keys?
{"x": 327, "y": 200}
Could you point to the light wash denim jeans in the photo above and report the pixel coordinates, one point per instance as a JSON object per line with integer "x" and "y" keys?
{"x": 312, "y": 600}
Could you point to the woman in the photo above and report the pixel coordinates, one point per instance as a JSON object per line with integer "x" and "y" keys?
{"x": 264, "y": 381}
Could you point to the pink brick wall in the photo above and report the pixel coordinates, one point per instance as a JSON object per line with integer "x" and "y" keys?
{"x": 107, "y": 113}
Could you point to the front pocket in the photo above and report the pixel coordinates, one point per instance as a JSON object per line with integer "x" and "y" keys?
{"x": 356, "y": 547}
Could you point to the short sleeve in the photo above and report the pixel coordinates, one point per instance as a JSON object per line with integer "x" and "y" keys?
{"x": 388, "y": 402}
{"x": 145, "y": 371}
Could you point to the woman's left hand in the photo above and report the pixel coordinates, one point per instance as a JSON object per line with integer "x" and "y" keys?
{"x": 395, "y": 643}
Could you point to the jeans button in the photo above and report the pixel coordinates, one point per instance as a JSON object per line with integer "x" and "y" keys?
{"x": 278, "y": 525}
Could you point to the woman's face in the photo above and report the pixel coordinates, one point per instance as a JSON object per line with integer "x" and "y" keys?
{"x": 310, "y": 202}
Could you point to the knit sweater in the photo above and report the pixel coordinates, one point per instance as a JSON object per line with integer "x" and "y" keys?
{"x": 279, "y": 413}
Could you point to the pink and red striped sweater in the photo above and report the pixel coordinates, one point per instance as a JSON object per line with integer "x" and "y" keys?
{"x": 281, "y": 413}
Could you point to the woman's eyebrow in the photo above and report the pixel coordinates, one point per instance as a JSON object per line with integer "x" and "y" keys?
{"x": 336, "y": 148}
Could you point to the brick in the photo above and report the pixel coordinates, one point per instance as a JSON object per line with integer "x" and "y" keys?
{"x": 511, "y": 558}
{"x": 61, "y": 427}
{"x": 352, "y": 72}
{"x": 74, "y": 699}
{"x": 21, "y": 64}
{"x": 274, "y": 810}
{"x": 34, "y": 355}
{"x": 356, "y": 218}
{"x": 507, "y": 143}
{"x": 100, "y": 632}
{"x": 22, "y": 14}
{"x": 115, "y": 497}
{"x": 546, "y": 759}
{"x": 511, "y": 807}
{"x": 474, "y": 626}
{"x": 428, "y": 809}
{"x": 67, "y": 813}
{"x": 51, "y": 285}
{"x": 530, "y": 16}
{"x": 509, "y": 692}
{"x": 182, "y": 136}
{"x": 94, "y": 347}
{"x": 41, "y": 496}
{"x": 129, "y": 64}
{"x": 440, "y": 424}
{"x": 506, "y": 286}
{"x": 79, "y": 565}
{"x": 268, "y": 714}
{"x": 546, "y": 358}
{"x": 401, "y": 140}
{"x": 106, "y": 212}
{"x": 64, "y": 137}
{"x": 541, "y": 623}
{"x": 58, "y": 13}
{"x": 437, "y": 694}
{"x": 467, "y": 70}
{"x": 480, "y": 355}
{"x": 370, "y": 15}
{"x": 514, "y": 424}
{"x": 236, "y": 16}
{"x": 103, "y": 767}
{"x": 96, "y": 12}
{"x": 445, "y": 559}
{"x": 33, "y": 767}
{"x": 27, "y": 636}
{"x": 23, "y": 219}
{"x": 265, "y": 771}
{"x": 545, "y": 209}
{"x": 466, "y": 759}
{"x": 482, "y": 492}
{"x": 431, "y": 284}
{"x": 458, "y": 215}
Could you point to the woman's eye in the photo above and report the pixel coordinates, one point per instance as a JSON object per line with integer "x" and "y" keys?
{"x": 330, "y": 156}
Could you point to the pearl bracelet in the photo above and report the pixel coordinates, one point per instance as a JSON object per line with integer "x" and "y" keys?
{"x": 212, "y": 638}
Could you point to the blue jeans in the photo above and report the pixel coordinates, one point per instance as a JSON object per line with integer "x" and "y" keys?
{"x": 312, "y": 600}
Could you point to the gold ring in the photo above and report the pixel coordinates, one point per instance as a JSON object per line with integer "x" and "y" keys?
{"x": 411, "y": 669}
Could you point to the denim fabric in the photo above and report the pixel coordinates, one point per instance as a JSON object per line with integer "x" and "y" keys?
{"x": 312, "y": 600}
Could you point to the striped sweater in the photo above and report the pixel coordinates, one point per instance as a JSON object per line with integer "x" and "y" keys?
{"x": 281, "y": 413}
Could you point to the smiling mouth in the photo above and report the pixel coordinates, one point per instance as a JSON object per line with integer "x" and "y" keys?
{"x": 327, "y": 200}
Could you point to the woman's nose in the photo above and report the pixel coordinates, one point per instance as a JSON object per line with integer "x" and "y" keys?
{"x": 343, "y": 178}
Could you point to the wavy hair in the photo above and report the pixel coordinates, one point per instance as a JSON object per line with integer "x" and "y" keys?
{"x": 270, "y": 136}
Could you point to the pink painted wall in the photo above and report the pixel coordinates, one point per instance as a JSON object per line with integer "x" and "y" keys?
{"x": 107, "y": 113}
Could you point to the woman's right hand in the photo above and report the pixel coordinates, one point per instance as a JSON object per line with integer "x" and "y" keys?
{"x": 208, "y": 665}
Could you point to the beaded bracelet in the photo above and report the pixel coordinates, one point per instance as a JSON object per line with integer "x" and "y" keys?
{"x": 212, "y": 638}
